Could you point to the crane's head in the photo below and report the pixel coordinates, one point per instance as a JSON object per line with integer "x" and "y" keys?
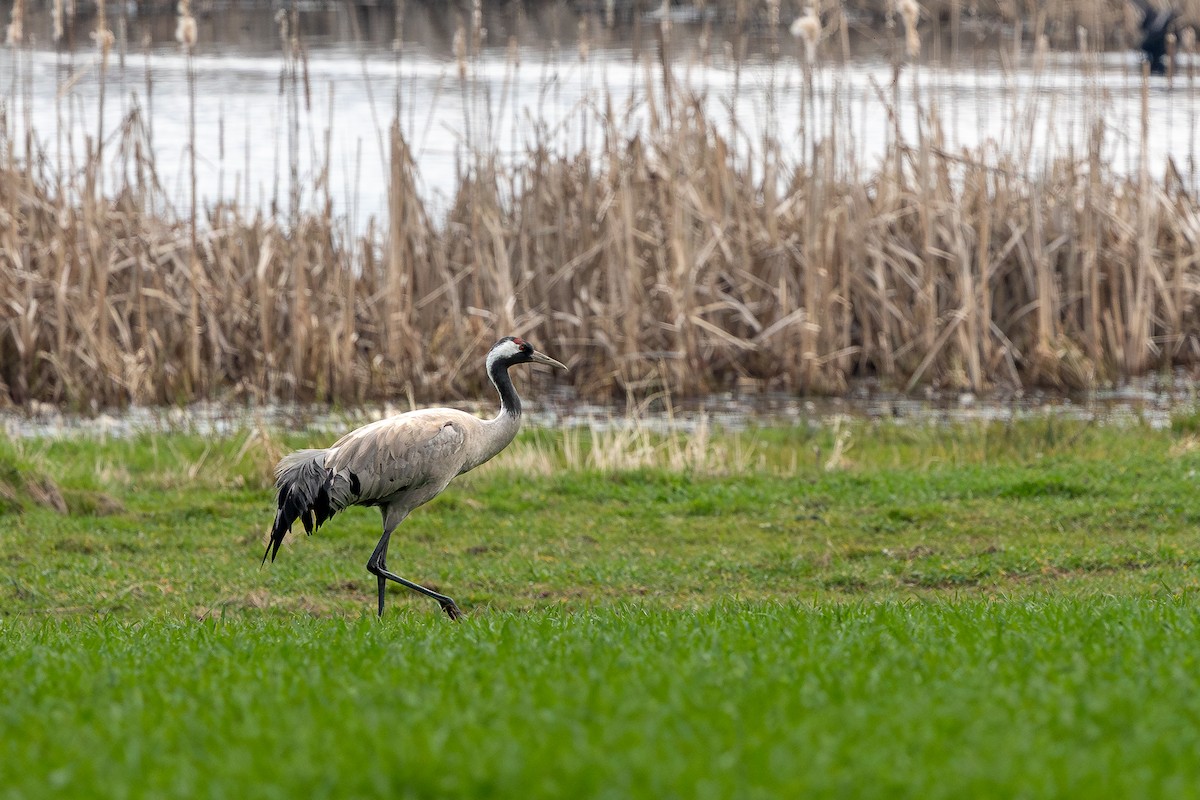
{"x": 515, "y": 350}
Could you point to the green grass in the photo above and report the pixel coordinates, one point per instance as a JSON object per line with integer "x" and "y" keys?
{"x": 972, "y": 698}
{"x": 980, "y": 611}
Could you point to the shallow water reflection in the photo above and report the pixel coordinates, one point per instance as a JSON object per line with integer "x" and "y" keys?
{"x": 1152, "y": 402}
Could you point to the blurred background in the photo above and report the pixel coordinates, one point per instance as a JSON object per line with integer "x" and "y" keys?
{"x": 347, "y": 202}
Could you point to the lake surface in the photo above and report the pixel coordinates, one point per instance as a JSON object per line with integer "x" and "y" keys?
{"x": 264, "y": 124}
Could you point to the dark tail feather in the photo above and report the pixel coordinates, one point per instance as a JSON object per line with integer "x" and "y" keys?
{"x": 303, "y": 484}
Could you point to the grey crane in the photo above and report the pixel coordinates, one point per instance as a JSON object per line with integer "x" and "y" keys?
{"x": 1156, "y": 24}
{"x": 399, "y": 463}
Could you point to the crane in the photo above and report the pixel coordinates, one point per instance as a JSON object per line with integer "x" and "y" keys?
{"x": 1155, "y": 25}
{"x": 399, "y": 463}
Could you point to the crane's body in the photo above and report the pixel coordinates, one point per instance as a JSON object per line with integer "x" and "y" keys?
{"x": 398, "y": 464}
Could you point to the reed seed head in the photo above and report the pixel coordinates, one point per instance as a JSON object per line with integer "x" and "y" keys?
{"x": 281, "y": 19}
{"x": 910, "y": 12}
{"x": 57, "y": 18}
{"x": 16, "y": 29}
{"x": 185, "y": 26}
{"x": 1040, "y": 48}
{"x": 14, "y": 33}
{"x": 103, "y": 35}
{"x": 514, "y": 52}
{"x": 478, "y": 32}
{"x": 585, "y": 44}
{"x": 1081, "y": 36}
{"x": 808, "y": 29}
{"x": 1188, "y": 39}
{"x": 460, "y": 50}
{"x": 913, "y": 42}
{"x": 185, "y": 32}
{"x": 398, "y": 34}
{"x": 104, "y": 40}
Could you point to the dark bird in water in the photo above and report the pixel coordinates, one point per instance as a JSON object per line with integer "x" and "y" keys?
{"x": 1156, "y": 24}
{"x": 399, "y": 463}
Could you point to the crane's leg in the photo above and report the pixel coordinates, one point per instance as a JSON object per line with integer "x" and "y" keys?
{"x": 377, "y": 566}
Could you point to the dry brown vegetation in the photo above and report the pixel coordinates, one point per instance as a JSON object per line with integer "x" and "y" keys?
{"x": 1115, "y": 20}
{"x": 660, "y": 264}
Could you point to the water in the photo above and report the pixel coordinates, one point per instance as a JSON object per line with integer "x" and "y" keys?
{"x": 530, "y": 82}
{"x": 1151, "y": 401}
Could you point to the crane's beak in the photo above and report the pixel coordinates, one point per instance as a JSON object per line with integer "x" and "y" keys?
{"x": 539, "y": 358}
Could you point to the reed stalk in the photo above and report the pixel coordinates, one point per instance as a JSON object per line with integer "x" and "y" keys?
{"x": 664, "y": 264}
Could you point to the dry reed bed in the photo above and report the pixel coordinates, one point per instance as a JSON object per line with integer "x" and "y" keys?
{"x": 1109, "y": 23}
{"x": 1114, "y": 20}
{"x": 659, "y": 265}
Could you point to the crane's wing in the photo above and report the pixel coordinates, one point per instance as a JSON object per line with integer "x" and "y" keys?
{"x": 417, "y": 451}
{"x": 393, "y": 455}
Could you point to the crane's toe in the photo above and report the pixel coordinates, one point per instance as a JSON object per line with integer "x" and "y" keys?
{"x": 452, "y": 610}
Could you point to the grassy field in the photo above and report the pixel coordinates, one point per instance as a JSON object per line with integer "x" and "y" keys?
{"x": 867, "y": 610}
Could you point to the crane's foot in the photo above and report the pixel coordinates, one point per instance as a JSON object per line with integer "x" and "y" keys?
{"x": 451, "y": 609}
{"x": 380, "y": 571}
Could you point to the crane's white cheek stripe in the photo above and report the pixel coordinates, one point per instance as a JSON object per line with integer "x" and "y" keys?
{"x": 503, "y": 350}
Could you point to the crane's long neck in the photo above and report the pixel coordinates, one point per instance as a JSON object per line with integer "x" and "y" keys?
{"x": 499, "y": 432}
{"x": 510, "y": 403}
